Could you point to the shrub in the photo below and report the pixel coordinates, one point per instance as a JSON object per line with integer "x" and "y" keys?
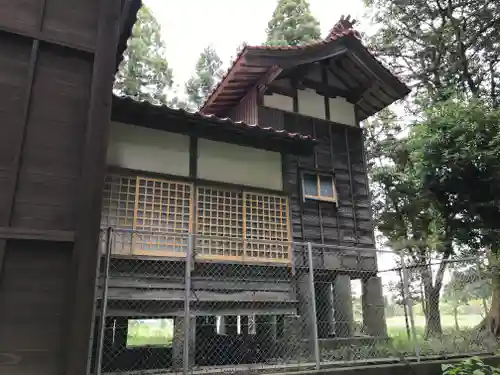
{"x": 471, "y": 366}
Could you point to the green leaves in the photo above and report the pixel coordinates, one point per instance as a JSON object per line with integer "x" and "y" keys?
{"x": 471, "y": 366}
{"x": 441, "y": 47}
{"x": 456, "y": 150}
{"x": 144, "y": 73}
{"x": 292, "y": 24}
{"x": 208, "y": 73}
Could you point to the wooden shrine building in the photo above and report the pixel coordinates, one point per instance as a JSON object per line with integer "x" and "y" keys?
{"x": 275, "y": 156}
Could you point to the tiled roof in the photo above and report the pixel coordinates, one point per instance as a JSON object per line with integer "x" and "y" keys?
{"x": 216, "y": 120}
{"x": 341, "y": 29}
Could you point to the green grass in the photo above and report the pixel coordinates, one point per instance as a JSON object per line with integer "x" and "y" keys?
{"x": 447, "y": 321}
{"x": 150, "y": 333}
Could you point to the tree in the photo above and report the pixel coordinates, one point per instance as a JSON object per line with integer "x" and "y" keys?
{"x": 456, "y": 150}
{"x": 208, "y": 73}
{"x": 441, "y": 47}
{"x": 292, "y": 24}
{"x": 468, "y": 282}
{"x": 144, "y": 73}
{"x": 413, "y": 225}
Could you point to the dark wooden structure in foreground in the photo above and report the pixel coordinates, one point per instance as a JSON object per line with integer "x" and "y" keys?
{"x": 57, "y": 61}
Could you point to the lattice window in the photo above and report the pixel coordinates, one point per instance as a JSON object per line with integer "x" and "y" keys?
{"x": 118, "y": 208}
{"x": 230, "y": 224}
{"x": 267, "y": 231}
{"x": 219, "y": 222}
{"x": 241, "y": 225}
{"x": 162, "y": 208}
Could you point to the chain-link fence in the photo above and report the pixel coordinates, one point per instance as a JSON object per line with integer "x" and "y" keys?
{"x": 167, "y": 304}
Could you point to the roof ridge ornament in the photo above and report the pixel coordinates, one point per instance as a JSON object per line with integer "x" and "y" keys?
{"x": 345, "y": 25}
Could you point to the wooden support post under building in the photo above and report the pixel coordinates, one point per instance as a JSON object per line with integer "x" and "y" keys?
{"x": 265, "y": 326}
{"x": 343, "y": 312}
{"x": 231, "y": 325}
{"x": 244, "y": 325}
{"x": 373, "y": 307}
{"x": 324, "y": 308}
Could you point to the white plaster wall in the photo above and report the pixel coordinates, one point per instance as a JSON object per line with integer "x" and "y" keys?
{"x": 342, "y": 111}
{"x": 218, "y": 161}
{"x": 285, "y": 103}
{"x": 144, "y": 149}
{"x": 311, "y": 104}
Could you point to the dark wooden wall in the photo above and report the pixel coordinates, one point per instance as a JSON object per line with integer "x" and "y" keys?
{"x": 57, "y": 60}
{"x": 246, "y": 110}
{"x": 339, "y": 151}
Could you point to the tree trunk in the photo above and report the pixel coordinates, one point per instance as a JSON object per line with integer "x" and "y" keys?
{"x": 433, "y": 317}
{"x": 455, "y": 316}
{"x": 485, "y": 306}
{"x": 491, "y": 323}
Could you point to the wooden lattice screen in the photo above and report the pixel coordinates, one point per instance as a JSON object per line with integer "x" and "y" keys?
{"x": 242, "y": 226}
{"x": 230, "y": 224}
{"x": 160, "y": 212}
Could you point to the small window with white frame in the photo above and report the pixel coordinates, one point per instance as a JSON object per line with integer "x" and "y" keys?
{"x": 318, "y": 186}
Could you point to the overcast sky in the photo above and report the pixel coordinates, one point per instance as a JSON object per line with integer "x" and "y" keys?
{"x": 190, "y": 25}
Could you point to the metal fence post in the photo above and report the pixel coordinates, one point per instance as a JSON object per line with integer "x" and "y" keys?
{"x": 480, "y": 277}
{"x": 314, "y": 321}
{"x": 409, "y": 305}
{"x": 104, "y": 301}
{"x": 187, "y": 313}
{"x": 405, "y": 307}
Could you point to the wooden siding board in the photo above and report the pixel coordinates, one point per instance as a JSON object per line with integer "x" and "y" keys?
{"x": 32, "y": 306}
{"x": 73, "y": 22}
{"x": 52, "y": 146}
{"x": 246, "y": 109}
{"x": 90, "y": 184}
{"x": 339, "y": 150}
{"x": 20, "y": 14}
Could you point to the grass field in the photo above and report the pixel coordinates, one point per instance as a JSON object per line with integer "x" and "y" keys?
{"x": 396, "y": 323}
{"x": 157, "y": 332}
{"x": 160, "y": 333}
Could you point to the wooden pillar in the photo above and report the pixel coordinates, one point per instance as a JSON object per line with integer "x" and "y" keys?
{"x": 373, "y": 307}
{"x": 266, "y": 328}
{"x": 231, "y": 325}
{"x": 324, "y": 309}
{"x": 343, "y": 313}
{"x": 244, "y": 325}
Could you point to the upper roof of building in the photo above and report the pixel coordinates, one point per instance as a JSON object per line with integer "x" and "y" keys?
{"x": 360, "y": 72}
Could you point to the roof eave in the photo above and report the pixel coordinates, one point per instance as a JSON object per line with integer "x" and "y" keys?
{"x": 128, "y": 110}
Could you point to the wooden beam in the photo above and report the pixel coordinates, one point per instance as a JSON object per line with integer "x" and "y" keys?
{"x": 294, "y": 57}
{"x": 166, "y": 310}
{"x": 131, "y": 294}
{"x": 132, "y": 281}
{"x": 89, "y": 197}
{"x": 42, "y": 37}
{"x": 360, "y": 54}
{"x": 351, "y": 183}
{"x": 193, "y": 156}
{"x": 324, "y": 78}
{"x": 11, "y": 233}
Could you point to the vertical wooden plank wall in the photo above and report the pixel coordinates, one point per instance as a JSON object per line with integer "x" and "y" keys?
{"x": 339, "y": 151}
{"x": 57, "y": 60}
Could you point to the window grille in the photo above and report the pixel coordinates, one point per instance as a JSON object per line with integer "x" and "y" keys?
{"x": 229, "y": 224}
{"x": 242, "y": 225}
{"x": 159, "y": 210}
